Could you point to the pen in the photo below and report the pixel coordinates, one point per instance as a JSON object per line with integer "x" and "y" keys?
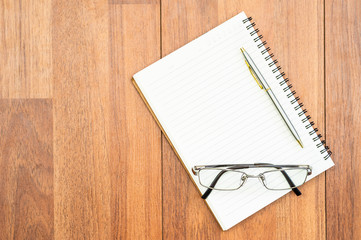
{"x": 262, "y": 83}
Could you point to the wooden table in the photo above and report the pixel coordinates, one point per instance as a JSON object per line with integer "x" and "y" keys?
{"x": 82, "y": 158}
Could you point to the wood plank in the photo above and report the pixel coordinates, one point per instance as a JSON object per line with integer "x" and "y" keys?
{"x": 26, "y": 169}
{"x": 25, "y": 46}
{"x": 283, "y": 26}
{"x": 82, "y": 187}
{"x": 107, "y": 146}
{"x": 134, "y": 1}
{"x": 343, "y": 74}
{"x": 135, "y": 139}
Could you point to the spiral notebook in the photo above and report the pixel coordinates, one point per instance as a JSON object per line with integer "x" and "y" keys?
{"x": 212, "y": 112}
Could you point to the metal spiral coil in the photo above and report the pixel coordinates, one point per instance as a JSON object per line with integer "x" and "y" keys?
{"x": 287, "y": 88}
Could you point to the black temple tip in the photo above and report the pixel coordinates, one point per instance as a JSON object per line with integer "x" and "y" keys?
{"x": 296, "y": 191}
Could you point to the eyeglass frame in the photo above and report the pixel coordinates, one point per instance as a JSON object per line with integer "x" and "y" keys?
{"x": 230, "y": 167}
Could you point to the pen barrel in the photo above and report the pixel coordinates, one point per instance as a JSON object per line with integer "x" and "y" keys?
{"x": 283, "y": 114}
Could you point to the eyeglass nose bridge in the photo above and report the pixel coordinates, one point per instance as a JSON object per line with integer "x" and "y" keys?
{"x": 259, "y": 176}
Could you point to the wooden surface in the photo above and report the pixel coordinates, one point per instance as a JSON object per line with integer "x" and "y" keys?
{"x": 81, "y": 156}
{"x": 343, "y": 119}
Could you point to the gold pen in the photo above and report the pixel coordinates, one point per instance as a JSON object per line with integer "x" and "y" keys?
{"x": 262, "y": 83}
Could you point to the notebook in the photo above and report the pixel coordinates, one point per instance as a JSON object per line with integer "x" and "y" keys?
{"x": 213, "y": 112}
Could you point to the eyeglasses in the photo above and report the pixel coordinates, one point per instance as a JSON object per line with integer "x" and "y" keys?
{"x": 230, "y": 177}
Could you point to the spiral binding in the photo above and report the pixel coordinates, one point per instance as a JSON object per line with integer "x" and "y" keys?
{"x": 287, "y": 88}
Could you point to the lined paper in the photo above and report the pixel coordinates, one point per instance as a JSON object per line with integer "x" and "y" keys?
{"x": 213, "y": 112}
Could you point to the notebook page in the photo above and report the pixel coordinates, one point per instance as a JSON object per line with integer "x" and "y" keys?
{"x": 213, "y": 112}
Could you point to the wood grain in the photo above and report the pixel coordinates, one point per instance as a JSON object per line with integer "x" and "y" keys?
{"x": 343, "y": 116}
{"x": 81, "y": 156}
{"x": 82, "y": 188}
{"x": 25, "y": 46}
{"x": 135, "y": 139}
{"x": 26, "y": 169}
{"x": 107, "y": 146}
{"x": 185, "y": 215}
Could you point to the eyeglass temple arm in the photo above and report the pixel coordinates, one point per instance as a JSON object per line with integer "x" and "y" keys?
{"x": 292, "y": 185}
{"x": 209, "y": 190}
{"x": 288, "y": 179}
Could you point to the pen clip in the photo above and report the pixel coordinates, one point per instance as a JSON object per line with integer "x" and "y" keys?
{"x": 253, "y": 75}
{"x": 250, "y": 69}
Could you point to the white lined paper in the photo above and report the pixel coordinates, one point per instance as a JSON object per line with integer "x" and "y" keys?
{"x": 213, "y": 112}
